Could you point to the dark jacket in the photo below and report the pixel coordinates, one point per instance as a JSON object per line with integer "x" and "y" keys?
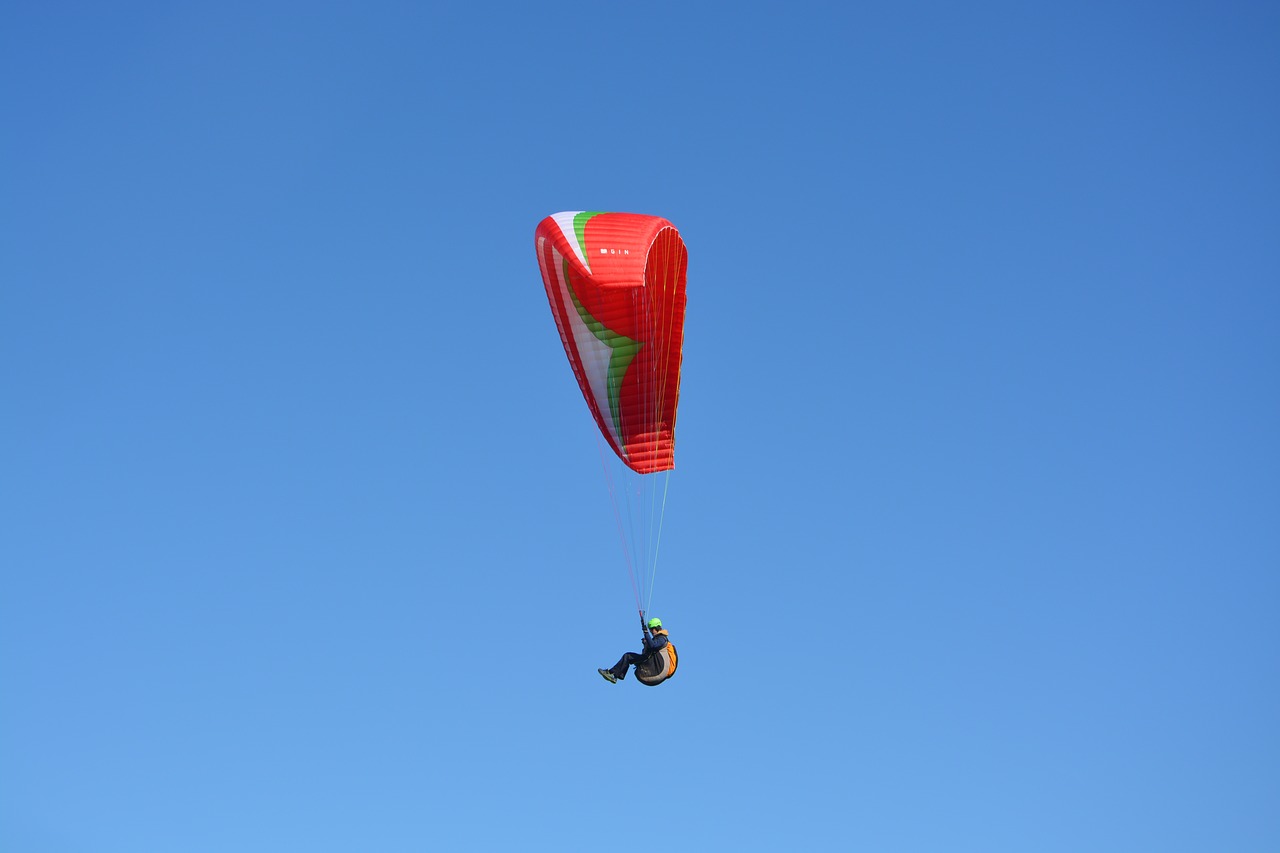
{"x": 655, "y": 641}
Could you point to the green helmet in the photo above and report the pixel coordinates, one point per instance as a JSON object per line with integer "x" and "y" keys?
{"x": 655, "y": 623}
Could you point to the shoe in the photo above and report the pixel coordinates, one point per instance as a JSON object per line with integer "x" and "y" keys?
{"x": 608, "y": 676}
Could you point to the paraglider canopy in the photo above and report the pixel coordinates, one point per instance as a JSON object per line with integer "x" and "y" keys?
{"x": 616, "y": 284}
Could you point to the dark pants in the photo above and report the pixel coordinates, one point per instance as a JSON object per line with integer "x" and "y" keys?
{"x": 620, "y": 668}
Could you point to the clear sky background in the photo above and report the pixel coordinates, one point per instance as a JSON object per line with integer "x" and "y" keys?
{"x": 974, "y": 538}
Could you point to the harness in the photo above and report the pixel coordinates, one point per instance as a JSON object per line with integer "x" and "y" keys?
{"x": 658, "y": 667}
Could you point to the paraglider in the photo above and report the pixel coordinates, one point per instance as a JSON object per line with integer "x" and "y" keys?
{"x": 616, "y": 286}
{"x": 654, "y": 665}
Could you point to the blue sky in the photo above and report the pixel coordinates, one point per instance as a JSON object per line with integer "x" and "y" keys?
{"x": 973, "y": 540}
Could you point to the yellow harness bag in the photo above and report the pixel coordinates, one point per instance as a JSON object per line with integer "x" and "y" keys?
{"x": 658, "y": 668}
